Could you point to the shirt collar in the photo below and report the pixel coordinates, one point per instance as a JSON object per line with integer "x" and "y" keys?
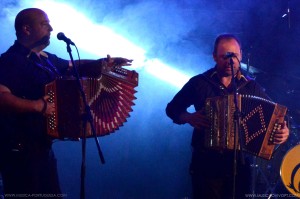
{"x": 26, "y": 51}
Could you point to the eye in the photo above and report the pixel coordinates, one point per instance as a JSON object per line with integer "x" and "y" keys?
{"x": 46, "y": 24}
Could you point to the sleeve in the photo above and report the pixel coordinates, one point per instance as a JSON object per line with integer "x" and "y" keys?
{"x": 10, "y": 73}
{"x": 181, "y": 101}
{"x": 91, "y": 68}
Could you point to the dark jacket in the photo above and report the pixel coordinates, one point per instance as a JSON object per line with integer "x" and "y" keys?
{"x": 199, "y": 88}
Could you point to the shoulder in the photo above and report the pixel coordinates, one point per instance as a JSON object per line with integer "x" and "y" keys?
{"x": 209, "y": 74}
{"x": 252, "y": 82}
{"x": 199, "y": 82}
{"x": 15, "y": 54}
{"x": 50, "y": 55}
{"x": 252, "y": 87}
{"x": 57, "y": 61}
{"x": 196, "y": 81}
{"x": 12, "y": 59}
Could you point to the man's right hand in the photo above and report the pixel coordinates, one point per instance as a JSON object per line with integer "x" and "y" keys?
{"x": 47, "y": 108}
{"x": 197, "y": 119}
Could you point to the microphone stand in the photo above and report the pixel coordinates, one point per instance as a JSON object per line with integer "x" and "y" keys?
{"x": 237, "y": 133}
{"x": 87, "y": 118}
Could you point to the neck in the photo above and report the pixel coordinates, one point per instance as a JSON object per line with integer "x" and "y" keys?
{"x": 36, "y": 47}
{"x": 226, "y": 81}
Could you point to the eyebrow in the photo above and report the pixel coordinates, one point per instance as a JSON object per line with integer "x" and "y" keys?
{"x": 45, "y": 22}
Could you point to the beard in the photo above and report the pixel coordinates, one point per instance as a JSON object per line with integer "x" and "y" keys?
{"x": 224, "y": 70}
{"x": 44, "y": 41}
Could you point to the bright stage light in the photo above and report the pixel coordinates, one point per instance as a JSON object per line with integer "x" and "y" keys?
{"x": 166, "y": 73}
{"x": 100, "y": 40}
{"x": 93, "y": 38}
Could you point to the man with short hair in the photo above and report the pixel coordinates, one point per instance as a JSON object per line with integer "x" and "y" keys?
{"x": 212, "y": 170}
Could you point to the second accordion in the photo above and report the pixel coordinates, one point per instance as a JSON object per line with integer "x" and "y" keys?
{"x": 259, "y": 120}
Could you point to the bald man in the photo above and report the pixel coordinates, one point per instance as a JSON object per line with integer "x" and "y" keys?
{"x": 27, "y": 162}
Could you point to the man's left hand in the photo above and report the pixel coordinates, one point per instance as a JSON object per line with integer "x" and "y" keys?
{"x": 118, "y": 61}
{"x": 282, "y": 134}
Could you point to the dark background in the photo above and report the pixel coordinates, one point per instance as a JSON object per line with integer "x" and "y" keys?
{"x": 149, "y": 156}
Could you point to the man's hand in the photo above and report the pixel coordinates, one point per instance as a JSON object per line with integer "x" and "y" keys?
{"x": 196, "y": 119}
{"x": 117, "y": 61}
{"x": 46, "y": 108}
{"x": 282, "y": 134}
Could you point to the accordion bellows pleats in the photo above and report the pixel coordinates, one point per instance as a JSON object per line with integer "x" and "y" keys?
{"x": 259, "y": 120}
{"x": 110, "y": 98}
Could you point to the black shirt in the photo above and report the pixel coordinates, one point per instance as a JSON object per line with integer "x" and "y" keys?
{"x": 199, "y": 88}
{"x": 25, "y": 74}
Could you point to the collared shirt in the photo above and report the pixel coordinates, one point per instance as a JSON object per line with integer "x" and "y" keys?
{"x": 25, "y": 75}
{"x": 199, "y": 88}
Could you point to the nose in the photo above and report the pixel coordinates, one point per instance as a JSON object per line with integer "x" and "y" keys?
{"x": 50, "y": 28}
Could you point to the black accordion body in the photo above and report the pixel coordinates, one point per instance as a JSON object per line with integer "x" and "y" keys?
{"x": 110, "y": 98}
{"x": 260, "y": 119}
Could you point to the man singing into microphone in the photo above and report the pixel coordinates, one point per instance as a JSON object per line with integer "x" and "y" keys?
{"x": 211, "y": 170}
{"x": 27, "y": 163}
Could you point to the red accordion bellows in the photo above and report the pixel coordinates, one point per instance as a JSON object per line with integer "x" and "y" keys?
{"x": 110, "y": 98}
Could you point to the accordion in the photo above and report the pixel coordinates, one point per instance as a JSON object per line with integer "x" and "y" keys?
{"x": 260, "y": 119}
{"x": 110, "y": 98}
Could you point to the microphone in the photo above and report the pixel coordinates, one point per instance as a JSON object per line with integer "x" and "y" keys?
{"x": 62, "y": 36}
{"x": 229, "y": 55}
